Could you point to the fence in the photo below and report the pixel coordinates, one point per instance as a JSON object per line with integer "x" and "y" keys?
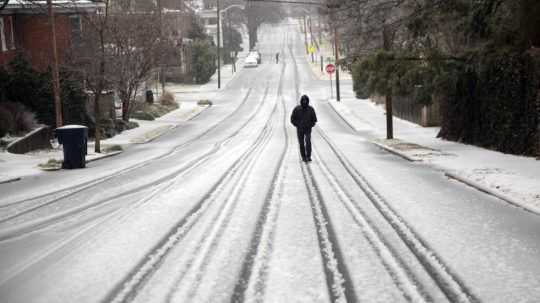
{"x": 409, "y": 109}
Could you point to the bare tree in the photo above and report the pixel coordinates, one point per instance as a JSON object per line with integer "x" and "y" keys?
{"x": 134, "y": 47}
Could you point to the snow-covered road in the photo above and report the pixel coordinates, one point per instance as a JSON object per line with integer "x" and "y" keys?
{"x": 221, "y": 209}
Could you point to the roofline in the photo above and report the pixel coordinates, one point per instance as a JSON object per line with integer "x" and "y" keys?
{"x": 34, "y": 8}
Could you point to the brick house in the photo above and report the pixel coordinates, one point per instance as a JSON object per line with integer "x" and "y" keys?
{"x": 24, "y": 27}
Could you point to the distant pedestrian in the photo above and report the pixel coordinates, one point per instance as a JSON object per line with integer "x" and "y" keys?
{"x": 304, "y": 118}
{"x": 277, "y": 58}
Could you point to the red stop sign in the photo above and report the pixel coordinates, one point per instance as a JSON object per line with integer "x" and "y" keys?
{"x": 330, "y": 68}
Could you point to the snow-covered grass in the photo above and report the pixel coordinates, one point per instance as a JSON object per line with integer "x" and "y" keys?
{"x": 513, "y": 178}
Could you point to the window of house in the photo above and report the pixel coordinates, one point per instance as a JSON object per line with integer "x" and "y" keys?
{"x": 3, "y": 35}
{"x": 10, "y": 33}
{"x": 76, "y": 30}
{"x": 7, "y": 34}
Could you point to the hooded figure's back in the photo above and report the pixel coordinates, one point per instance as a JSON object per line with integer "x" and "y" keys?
{"x": 303, "y": 115}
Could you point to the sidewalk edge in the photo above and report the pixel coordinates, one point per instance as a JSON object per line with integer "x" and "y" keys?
{"x": 386, "y": 148}
{"x": 341, "y": 116}
{"x": 10, "y": 180}
{"x": 395, "y": 152}
{"x": 171, "y": 127}
{"x": 493, "y": 193}
{"x": 108, "y": 155}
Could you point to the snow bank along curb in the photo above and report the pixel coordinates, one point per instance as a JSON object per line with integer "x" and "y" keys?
{"x": 395, "y": 152}
{"x": 354, "y": 125}
{"x": 494, "y": 193}
{"x": 159, "y": 131}
{"x": 103, "y": 156}
{"x": 449, "y": 174}
{"x": 339, "y": 112}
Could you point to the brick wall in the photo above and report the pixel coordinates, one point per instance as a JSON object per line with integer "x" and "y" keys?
{"x": 32, "y": 37}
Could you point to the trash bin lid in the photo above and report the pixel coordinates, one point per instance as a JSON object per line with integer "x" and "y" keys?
{"x": 71, "y": 126}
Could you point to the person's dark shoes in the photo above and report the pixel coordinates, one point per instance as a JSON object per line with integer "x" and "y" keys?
{"x": 309, "y": 159}
{"x": 305, "y": 159}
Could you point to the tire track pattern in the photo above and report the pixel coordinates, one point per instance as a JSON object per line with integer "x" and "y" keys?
{"x": 252, "y": 279}
{"x": 450, "y": 284}
{"x": 15, "y": 231}
{"x": 338, "y": 279}
{"x": 129, "y": 287}
{"x": 394, "y": 265}
{"x": 69, "y": 191}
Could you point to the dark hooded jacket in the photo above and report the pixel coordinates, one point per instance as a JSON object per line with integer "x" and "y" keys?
{"x": 303, "y": 115}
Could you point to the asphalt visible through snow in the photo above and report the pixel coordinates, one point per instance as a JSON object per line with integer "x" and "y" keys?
{"x": 222, "y": 209}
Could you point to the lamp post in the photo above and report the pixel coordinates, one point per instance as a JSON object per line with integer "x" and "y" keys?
{"x": 218, "y": 48}
{"x": 219, "y": 11}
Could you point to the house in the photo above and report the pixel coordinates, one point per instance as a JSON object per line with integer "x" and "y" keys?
{"x": 24, "y": 27}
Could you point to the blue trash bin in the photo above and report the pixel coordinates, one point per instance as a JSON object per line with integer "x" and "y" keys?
{"x": 74, "y": 139}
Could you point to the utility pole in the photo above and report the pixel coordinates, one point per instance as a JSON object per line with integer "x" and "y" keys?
{"x": 334, "y": 23}
{"x": 387, "y": 45}
{"x": 231, "y": 42}
{"x": 312, "y": 40}
{"x": 305, "y": 34}
{"x": 162, "y": 67}
{"x": 336, "y": 45}
{"x": 320, "y": 29}
{"x": 55, "y": 73}
{"x": 218, "y": 50}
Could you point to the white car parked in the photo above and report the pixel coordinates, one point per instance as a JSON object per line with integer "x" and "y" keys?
{"x": 251, "y": 62}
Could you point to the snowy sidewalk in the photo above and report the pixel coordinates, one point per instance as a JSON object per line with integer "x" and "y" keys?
{"x": 13, "y": 167}
{"x": 515, "y": 179}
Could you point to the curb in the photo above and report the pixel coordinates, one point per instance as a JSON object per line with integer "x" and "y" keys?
{"x": 342, "y": 118}
{"x": 493, "y": 193}
{"x": 15, "y": 179}
{"x": 395, "y": 152}
{"x": 108, "y": 155}
{"x": 450, "y": 175}
{"x": 197, "y": 114}
{"x": 386, "y": 148}
{"x": 166, "y": 129}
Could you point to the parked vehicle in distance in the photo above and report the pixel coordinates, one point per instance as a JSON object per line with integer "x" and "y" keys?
{"x": 251, "y": 62}
{"x": 256, "y": 55}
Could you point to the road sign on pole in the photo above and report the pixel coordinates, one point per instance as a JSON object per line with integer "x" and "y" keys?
{"x": 330, "y": 68}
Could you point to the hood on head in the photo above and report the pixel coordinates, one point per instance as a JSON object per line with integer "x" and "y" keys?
{"x": 304, "y": 101}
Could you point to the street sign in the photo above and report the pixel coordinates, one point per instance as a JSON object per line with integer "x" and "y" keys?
{"x": 330, "y": 68}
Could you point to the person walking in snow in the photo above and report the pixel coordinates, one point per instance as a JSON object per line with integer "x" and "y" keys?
{"x": 304, "y": 118}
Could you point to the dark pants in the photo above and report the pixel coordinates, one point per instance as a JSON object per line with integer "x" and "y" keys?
{"x": 304, "y": 139}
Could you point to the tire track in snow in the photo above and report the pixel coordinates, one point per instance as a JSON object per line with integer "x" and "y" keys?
{"x": 71, "y": 190}
{"x": 339, "y": 283}
{"x": 203, "y": 252}
{"x": 394, "y": 265}
{"x": 252, "y": 276}
{"x": 43, "y": 222}
{"x": 453, "y": 288}
{"x": 128, "y": 288}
